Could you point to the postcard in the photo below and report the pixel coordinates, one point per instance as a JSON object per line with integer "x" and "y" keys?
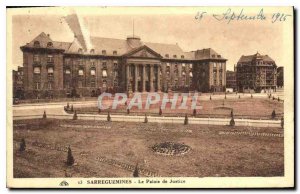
{"x": 150, "y": 97}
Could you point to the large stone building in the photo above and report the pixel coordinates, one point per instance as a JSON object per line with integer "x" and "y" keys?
{"x": 61, "y": 69}
{"x": 256, "y": 73}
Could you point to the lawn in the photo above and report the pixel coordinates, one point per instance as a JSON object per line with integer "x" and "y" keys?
{"x": 255, "y": 108}
{"x": 211, "y": 154}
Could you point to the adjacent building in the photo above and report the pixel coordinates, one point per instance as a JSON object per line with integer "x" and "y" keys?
{"x": 256, "y": 73}
{"x": 65, "y": 69}
{"x": 17, "y": 79}
{"x": 280, "y": 82}
{"x": 231, "y": 79}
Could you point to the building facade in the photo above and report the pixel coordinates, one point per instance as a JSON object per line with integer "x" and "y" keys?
{"x": 256, "y": 73}
{"x": 17, "y": 79}
{"x": 231, "y": 79}
{"x": 280, "y": 79}
{"x": 66, "y": 69}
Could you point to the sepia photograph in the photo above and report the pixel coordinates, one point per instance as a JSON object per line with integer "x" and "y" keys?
{"x": 150, "y": 97}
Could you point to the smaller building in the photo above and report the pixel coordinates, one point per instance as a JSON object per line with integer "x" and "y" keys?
{"x": 280, "y": 77}
{"x": 231, "y": 80}
{"x": 18, "y": 89}
{"x": 256, "y": 73}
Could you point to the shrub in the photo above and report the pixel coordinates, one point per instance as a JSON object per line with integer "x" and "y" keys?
{"x": 146, "y": 119}
{"x": 186, "y": 119}
{"x": 136, "y": 171}
{"x": 70, "y": 158}
{"x": 44, "y": 115}
{"x": 22, "y": 145}
{"x": 232, "y": 122}
{"x": 75, "y": 115}
{"x": 108, "y": 117}
{"x": 273, "y": 114}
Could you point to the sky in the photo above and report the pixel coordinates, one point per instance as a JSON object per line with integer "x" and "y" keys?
{"x": 230, "y": 40}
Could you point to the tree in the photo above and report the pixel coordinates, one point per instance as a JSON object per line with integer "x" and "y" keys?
{"x": 146, "y": 119}
{"x": 22, "y": 145}
{"x": 160, "y": 111}
{"x": 136, "y": 171}
{"x": 194, "y": 112}
{"x": 186, "y": 119}
{"x": 75, "y": 115}
{"x": 70, "y": 158}
{"x": 44, "y": 115}
{"x": 108, "y": 117}
{"x": 273, "y": 114}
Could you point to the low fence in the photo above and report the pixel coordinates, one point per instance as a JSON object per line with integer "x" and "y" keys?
{"x": 162, "y": 119}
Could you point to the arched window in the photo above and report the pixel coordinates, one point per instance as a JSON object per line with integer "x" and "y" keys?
{"x": 36, "y": 44}
{"x": 49, "y": 44}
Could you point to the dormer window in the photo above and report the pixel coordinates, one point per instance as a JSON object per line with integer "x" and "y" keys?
{"x": 213, "y": 56}
{"x": 92, "y": 51}
{"x": 182, "y": 56}
{"x": 49, "y": 44}
{"x": 36, "y": 44}
{"x": 167, "y": 55}
{"x": 114, "y": 52}
{"x": 219, "y": 56}
{"x": 80, "y": 50}
{"x": 103, "y": 52}
{"x": 174, "y": 56}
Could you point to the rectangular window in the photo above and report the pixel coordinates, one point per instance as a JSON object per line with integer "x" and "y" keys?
{"x": 37, "y": 85}
{"x": 68, "y": 71}
{"x": 36, "y": 58}
{"x": 37, "y": 70}
{"x": 93, "y": 72}
{"x": 80, "y": 72}
{"x": 49, "y": 85}
{"x": 104, "y": 73}
{"x": 50, "y": 59}
{"x": 93, "y": 84}
{"x": 50, "y": 70}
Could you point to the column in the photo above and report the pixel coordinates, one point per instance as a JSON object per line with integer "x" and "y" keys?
{"x": 143, "y": 78}
{"x": 127, "y": 77}
{"x": 158, "y": 79}
{"x": 135, "y": 77}
{"x": 151, "y": 78}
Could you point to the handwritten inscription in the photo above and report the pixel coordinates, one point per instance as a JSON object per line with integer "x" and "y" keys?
{"x": 229, "y": 15}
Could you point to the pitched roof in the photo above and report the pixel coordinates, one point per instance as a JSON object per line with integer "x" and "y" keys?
{"x": 207, "y": 53}
{"x": 250, "y": 58}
